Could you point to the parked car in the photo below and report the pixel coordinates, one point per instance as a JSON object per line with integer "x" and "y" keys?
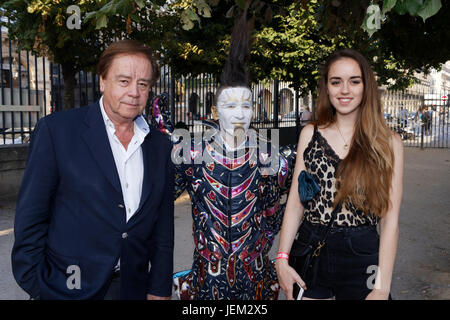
{"x": 291, "y": 115}
{"x": 411, "y": 115}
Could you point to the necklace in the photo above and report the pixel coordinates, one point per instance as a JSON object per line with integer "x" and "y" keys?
{"x": 345, "y": 142}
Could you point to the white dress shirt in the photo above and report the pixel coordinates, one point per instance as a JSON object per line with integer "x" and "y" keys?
{"x": 129, "y": 162}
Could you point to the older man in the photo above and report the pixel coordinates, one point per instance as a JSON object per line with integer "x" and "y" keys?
{"x": 94, "y": 217}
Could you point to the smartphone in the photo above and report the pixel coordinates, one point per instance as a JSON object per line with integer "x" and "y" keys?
{"x": 297, "y": 292}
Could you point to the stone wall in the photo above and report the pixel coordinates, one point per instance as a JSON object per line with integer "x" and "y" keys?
{"x": 12, "y": 165}
{"x": 13, "y": 159}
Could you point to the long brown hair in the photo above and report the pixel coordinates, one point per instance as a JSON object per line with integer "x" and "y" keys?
{"x": 364, "y": 177}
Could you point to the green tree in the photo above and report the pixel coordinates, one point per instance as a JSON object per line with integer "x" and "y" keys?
{"x": 46, "y": 28}
{"x": 291, "y": 38}
{"x": 286, "y": 44}
{"x": 411, "y": 35}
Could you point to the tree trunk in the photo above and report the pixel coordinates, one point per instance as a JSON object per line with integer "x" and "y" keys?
{"x": 69, "y": 73}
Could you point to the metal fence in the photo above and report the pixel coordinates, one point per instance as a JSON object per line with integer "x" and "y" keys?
{"x": 420, "y": 117}
{"x": 32, "y": 87}
{"x": 191, "y": 98}
{"x": 23, "y": 91}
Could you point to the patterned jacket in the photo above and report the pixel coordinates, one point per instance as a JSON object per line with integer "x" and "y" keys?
{"x": 236, "y": 211}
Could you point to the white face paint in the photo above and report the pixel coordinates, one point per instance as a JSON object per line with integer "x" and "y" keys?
{"x": 235, "y": 109}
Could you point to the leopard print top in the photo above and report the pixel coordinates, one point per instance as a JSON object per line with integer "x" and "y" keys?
{"x": 322, "y": 162}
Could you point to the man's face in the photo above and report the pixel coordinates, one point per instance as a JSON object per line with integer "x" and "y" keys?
{"x": 234, "y": 106}
{"x": 126, "y": 86}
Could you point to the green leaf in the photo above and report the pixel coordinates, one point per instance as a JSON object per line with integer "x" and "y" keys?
{"x": 388, "y": 5}
{"x": 191, "y": 15}
{"x": 108, "y": 8}
{"x": 140, "y": 3}
{"x": 186, "y": 21}
{"x": 400, "y": 7}
{"x": 102, "y": 22}
{"x": 430, "y": 9}
{"x": 206, "y": 13}
{"x": 203, "y": 9}
{"x": 88, "y": 16}
{"x": 413, "y": 6}
{"x": 188, "y": 25}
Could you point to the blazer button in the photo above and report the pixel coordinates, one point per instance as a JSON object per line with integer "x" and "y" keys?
{"x": 124, "y": 235}
{"x": 121, "y": 206}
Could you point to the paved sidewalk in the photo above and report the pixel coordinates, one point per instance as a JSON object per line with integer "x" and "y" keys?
{"x": 422, "y": 269}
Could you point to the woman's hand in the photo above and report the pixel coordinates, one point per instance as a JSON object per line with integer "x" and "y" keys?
{"x": 287, "y": 276}
{"x": 377, "y": 294}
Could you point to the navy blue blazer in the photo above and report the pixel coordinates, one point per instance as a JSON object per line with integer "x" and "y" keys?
{"x": 70, "y": 214}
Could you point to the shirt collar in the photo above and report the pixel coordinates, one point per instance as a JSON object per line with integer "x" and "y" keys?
{"x": 139, "y": 122}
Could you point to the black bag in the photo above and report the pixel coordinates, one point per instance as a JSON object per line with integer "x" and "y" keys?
{"x": 304, "y": 257}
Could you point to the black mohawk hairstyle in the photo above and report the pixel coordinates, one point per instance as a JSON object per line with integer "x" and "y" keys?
{"x": 235, "y": 71}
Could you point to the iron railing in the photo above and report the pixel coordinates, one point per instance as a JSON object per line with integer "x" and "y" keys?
{"x": 32, "y": 87}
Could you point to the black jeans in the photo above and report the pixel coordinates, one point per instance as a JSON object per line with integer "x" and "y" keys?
{"x": 347, "y": 263}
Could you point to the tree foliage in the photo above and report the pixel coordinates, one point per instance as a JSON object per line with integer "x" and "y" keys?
{"x": 41, "y": 26}
{"x": 291, "y": 38}
{"x": 411, "y": 36}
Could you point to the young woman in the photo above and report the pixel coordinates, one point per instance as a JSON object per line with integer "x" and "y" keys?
{"x": 357, "y": 161}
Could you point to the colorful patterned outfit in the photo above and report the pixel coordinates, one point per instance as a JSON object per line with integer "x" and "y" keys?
{"x": 236, "y": 214}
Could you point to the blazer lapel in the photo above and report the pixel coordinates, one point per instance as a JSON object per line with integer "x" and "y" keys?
{"x": 147, "y": 183}
{"x": 97, "y": 140}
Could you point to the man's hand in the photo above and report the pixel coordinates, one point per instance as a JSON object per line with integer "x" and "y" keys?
{"x": 152, "y": 297}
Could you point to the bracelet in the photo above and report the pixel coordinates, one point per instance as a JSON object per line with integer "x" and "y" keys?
{"x": 282, "y": 255}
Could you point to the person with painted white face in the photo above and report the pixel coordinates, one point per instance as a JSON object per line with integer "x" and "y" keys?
{"x": 235, "y": 112}
{"x": 236, "y": 207}
{"x": 329, "y": 245}
{"x": 235, "y": 192}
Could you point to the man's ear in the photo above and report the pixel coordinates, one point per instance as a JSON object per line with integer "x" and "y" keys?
{"x": 102, "y": 84}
